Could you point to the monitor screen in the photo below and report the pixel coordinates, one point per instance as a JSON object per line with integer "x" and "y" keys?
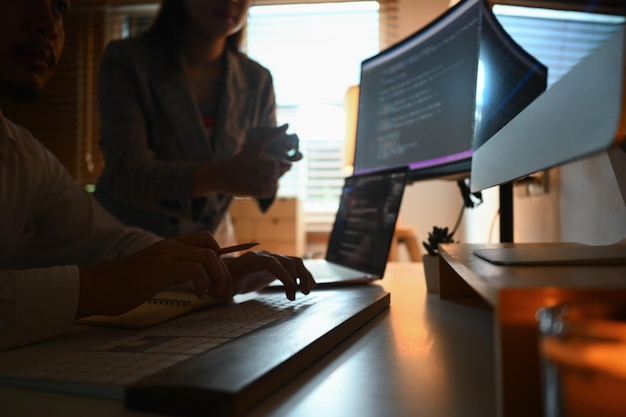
{"x": 432, "y": 98}
{"x": 582, "y": 111}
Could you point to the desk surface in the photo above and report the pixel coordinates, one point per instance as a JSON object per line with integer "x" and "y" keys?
{"x": 423, "y": 357}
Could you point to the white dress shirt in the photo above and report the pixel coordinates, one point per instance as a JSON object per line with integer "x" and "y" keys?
{"x": 48, "y": 226}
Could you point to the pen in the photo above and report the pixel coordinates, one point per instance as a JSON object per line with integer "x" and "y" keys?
{"x": 235, "y": 248}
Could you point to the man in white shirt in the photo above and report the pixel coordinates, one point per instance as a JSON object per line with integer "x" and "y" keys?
{"x": 62, "y": 256}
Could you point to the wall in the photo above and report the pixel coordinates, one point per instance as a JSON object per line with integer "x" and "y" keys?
{"x": 592, "y": 205}
{"x": 583, "y": 202}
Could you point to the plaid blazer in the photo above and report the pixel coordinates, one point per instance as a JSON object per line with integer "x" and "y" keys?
{"x": 152, "y": 136}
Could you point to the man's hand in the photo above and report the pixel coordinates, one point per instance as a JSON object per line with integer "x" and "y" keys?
{"x": 122, "y": 285}
{"x": 117, "y": 287}
{"x": 254, "y": 270}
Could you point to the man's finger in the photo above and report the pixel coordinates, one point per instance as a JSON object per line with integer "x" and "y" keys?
{"x": 274, "y": 266}
{"x": 204, "y": 266}
{"x": 296, "y": 268}
{"x": 196, "y": 273}
{"x": 307, "y": 282}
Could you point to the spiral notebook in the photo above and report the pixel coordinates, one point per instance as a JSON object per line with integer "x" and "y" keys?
{"x": 164, "y": 306}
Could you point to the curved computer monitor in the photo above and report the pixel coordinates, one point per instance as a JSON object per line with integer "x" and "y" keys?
{"x": 431, "y": 99}
{"x": 582, "y": 111}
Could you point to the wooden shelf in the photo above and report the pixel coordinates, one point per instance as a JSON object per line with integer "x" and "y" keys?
{"x": 515, "y": 293}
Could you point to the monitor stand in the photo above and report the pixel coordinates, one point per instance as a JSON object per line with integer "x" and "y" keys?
{"x": 506, "y": 213}
{"x": 549, "y": 120}
{"x": 538, "y": 254}
{"x": 555, "y": 254}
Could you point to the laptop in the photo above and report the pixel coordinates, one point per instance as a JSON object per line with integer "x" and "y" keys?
{"x": 363, "y": 230}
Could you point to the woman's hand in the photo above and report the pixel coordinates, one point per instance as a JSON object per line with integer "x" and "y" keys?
{"x": 255, "y": 270}
{"x": 116, "y": 287}
{"x": 251, "y": 172}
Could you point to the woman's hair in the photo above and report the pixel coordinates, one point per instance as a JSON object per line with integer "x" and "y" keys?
{"x": 169, "y": 27}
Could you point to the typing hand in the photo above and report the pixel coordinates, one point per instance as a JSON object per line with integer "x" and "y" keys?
{"x": 116, "y": 287}
{"x": 254, "y": 270}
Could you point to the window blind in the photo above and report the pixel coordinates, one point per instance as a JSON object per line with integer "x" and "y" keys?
{"x": 560, "y": 40}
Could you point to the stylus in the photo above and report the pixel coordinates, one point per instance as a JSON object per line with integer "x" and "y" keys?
{"x": 235, "y": 248}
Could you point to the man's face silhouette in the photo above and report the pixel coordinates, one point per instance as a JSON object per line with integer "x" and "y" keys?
{"x": 31, "y": 42}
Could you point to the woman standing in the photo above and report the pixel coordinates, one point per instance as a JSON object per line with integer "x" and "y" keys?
{"x": 176, "y": 106}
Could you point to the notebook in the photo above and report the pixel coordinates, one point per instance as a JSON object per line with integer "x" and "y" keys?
{"x": 363, "y": 230}
{"x": 164, "y": 306}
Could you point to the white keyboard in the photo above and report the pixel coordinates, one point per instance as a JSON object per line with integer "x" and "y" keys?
{"x": 129, "y": 359}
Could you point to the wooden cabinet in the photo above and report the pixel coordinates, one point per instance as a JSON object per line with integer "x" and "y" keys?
{"x": 280, "y": 229}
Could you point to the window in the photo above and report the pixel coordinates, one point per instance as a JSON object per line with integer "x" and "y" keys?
{"x": 314, "y": 52}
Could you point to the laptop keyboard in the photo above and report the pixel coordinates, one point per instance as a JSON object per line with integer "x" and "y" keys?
{"x": 324, "y": 271}
{"x": 132, "y": 358}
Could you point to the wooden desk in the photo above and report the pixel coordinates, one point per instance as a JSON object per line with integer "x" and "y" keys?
{"x": 515, "y": 293}
{"x": 423, "y": 357}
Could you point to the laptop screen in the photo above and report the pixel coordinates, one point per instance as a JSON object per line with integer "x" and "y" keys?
{"x": 366, "y": 220}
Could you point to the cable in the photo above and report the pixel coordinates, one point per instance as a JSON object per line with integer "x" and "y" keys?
{"x": 469, "y": 197}
{"x": 458, "y": 220}
{"x": 468, "y": 201}
{"x": 493, "y": 224}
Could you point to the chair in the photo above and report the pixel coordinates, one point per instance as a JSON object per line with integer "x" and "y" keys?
{"x": 405, "y": 235}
